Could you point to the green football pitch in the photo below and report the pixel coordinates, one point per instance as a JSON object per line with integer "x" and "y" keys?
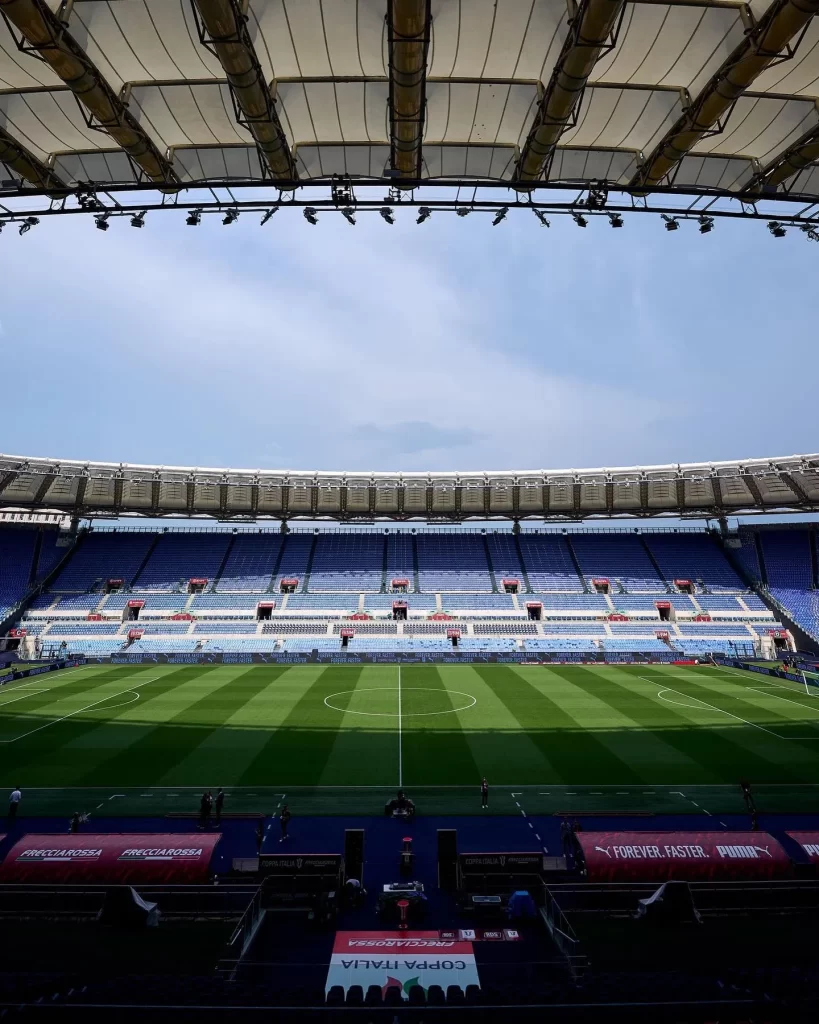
{"x": 339, "y": 739}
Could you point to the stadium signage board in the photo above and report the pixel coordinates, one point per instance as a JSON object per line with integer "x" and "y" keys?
{"x": 102, "y": 859}
{"x": 54, "y": 666}
{"x": 302, "y": 864}
{"x": 400, "y": 960}
{"x": 686, "y": 856}
{"x": 499, "y": 863}
{"x": 463, "y": 658}
{"x": 809, "y": 841}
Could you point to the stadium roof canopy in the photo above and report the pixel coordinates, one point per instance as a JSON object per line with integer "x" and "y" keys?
{"x": 703, "y": 97}
{"x": 711, "y": 489}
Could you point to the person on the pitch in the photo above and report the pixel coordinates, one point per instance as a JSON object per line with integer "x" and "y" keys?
{"x": 205, "y": 805}
{"x": 14, "y": 804}
{"x": 484, "y": 793}
{"x": 284, "y": 821}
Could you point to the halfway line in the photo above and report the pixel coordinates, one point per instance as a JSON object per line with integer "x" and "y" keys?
{"x": 400, "y": 756}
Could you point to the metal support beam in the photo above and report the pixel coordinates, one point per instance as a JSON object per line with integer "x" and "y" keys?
{"x": 226, "y": 26}
{"x": 408, "y": 32}
{"x": 82, "y": 487}
{"x": 790, "y": 162}
{"x": 589, "y": 32}
{"x": 765, "y": 44}
{"x": 30, "y": 168}
{"x": 42, "y": 490}
{"x": 6, "y": 478}
{"x": 49, "y": 39}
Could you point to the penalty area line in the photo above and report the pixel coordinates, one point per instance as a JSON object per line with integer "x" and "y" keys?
{"x": 71, "y": 714}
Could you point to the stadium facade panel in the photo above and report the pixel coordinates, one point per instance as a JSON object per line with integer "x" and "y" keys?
{"x": 714, "y": 489}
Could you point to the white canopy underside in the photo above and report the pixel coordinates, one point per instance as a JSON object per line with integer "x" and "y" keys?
{"x": 489, "y": 61}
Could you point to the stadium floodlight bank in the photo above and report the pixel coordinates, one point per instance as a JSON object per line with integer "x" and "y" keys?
{"x": 707, "y": 99}
{"x": 697, "y": 490}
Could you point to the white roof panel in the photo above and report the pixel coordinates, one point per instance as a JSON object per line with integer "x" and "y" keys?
{"x": 489, "y": 64}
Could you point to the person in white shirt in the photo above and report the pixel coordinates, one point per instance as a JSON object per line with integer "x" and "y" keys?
{"x": 14, "y": 803}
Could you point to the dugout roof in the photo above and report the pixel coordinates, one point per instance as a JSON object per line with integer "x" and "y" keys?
{"x": 698, "y": 490}
{"x": 711, "y": 94}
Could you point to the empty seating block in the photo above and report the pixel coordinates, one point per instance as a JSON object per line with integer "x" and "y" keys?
{"x": 16, "y": 564}
{"x": 787, "y": 558}
{"x": 619, "y": 558}
{"x": 250, "y": 563}
{"x": 107, "y": 555}
{"x": 505, "y": 560}
{"x": 180, "y": 557}
{"x": 452, "y": 562}
{"x": 348, "y": 562}
{"x": 549, "y": 563}
{"x": 323, "y": 602}
{"x": 294, "y": 559}
{"x": 400, "y": 560}
{"x": 693, "y": 556}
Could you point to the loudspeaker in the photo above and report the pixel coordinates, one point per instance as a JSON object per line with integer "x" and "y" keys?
{"x": 447, "y": 858}
{"x": 354, "y": 853}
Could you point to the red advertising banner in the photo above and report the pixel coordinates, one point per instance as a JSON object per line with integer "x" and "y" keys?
{"x": 809, "y": 841}
{"x": 689, "y": 856}
{"x": 121, "y": 859}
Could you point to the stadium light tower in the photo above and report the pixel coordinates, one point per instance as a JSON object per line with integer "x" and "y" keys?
{"x": 387, "y": 214}
{"x": 310, "y": 215}
{"x": 706, "y": 224}
{"x": 424, "y": 213}
{"x": 499, "y": 216}
{"x": 101, "y": 220}
{"x": 194, "y": 218}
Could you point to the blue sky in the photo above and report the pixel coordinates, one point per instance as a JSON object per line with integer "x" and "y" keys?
{"x": 450, "y": 345}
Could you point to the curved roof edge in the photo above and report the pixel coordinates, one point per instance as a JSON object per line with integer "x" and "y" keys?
{"x": 703, "y": 489}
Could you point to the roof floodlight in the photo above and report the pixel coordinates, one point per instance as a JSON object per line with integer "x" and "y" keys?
{"x": 193, "y": 218}
{"x": 671, "y": 223}
{"x": 268, "y": 215}
{"x": 500, "y": 215}
{"x": 810, "y": 231}
{"x": 310, "y": 215}
{"x": 580, "y": 220}
{"x": 349, "y": 215}
{"x": 230, "y": 217}
{"x": 463, "y": 211}
{"x": 28, "y": 224}
{"x": 138, "y": 220}
{"x": 615, "y": 220}
{"x": 776, "y": 229}
{"x": 706, "y": 224}
{"x": 387, "y": 214}
{"x": 541, "y": 216}
{"x": 102, "y": 221}
{"x": 424, "y": 213}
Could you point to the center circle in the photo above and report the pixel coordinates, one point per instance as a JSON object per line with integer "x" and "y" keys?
{"x": 412, "y": 705}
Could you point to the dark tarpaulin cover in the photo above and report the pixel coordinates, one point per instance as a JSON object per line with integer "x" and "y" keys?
{"x": 104, "y": 859}
{"x": 691, "y": 856}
